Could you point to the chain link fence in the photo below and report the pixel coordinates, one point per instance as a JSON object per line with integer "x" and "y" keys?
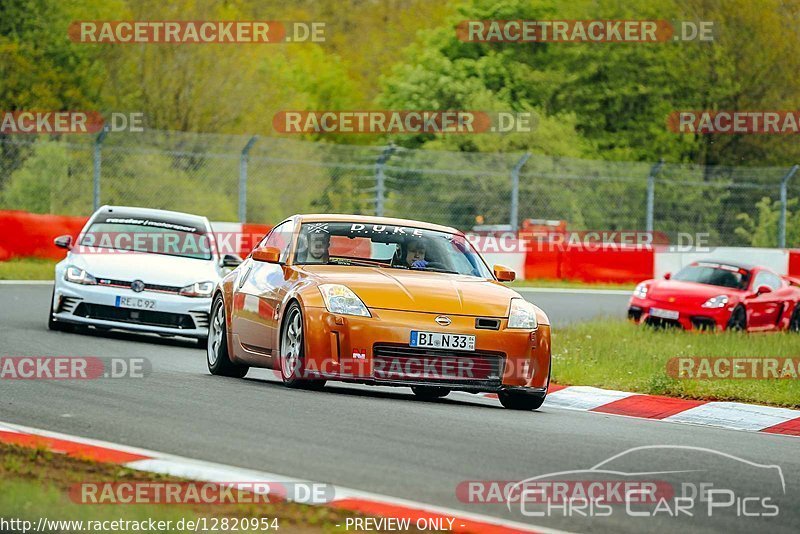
{"x": 240, "y": 177}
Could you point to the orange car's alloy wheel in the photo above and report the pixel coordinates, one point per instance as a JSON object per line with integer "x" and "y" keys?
{"x": 292, "y": 343}
{"x": 292, "y": 351}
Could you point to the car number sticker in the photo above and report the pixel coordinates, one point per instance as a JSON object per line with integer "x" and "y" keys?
{"x": 438, "y": 340}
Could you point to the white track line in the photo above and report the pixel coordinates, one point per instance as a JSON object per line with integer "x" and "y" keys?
{"x": 179, "y": 466}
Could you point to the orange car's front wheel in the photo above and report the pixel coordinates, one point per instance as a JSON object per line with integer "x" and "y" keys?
{"x": 292, "y": 351}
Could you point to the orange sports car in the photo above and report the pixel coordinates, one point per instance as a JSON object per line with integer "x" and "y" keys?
{"x": 379, "y": 301}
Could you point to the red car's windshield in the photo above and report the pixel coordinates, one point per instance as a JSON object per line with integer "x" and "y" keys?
{"x": 714, "y": 275}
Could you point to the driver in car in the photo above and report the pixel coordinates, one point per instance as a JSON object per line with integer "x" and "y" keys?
{"x": 318, "y": 245}
{"x": 415, "y": 254}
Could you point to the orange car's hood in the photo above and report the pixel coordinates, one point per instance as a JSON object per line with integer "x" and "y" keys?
{"x": 399, "y": 289}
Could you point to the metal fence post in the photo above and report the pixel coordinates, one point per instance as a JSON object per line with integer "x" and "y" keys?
{"x": 243, "y": 178}
{"x": 784, "y": 200}
{"x": 380, "y": 178}
{"x": 514, "y": 215}
{"x": 651, "y": 193}
{"x": 97, "y": 161}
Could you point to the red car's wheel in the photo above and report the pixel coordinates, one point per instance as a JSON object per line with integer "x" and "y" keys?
{"x": 292, "y": 351}
{"x": 794, "y": 322}
{"x": 219, "y": 362}
{"x": 738, "y": 320}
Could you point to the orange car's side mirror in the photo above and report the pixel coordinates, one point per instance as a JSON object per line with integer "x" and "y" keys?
{"x": 267, "y": 254}
{"x": 504, "y": 274}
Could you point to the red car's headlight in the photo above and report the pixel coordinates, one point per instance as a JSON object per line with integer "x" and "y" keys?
{"x": 641, "y": 291}
{"x": 716, "y": 302}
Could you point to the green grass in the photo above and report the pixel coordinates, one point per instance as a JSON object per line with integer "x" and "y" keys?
{"x": 569, "y": 284}
{"x": 27, "y": 269}
{"x": 621, "y": 355}
{"x": 36, "y": 483}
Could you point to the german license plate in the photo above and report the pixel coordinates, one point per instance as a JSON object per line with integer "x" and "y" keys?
{"x": 438, "y": 340}
{"x": 664, "y": 314}
{"x": 135, "y": 302}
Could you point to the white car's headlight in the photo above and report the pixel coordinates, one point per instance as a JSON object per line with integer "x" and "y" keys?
{"x": 522, "y": 315}
{"x": 76, "y": 275}
{"x": 716, "y": 302}
{"x": 199, "y": 289}
{"x": 341, "y": 299}
{"x": 641, "y": 291}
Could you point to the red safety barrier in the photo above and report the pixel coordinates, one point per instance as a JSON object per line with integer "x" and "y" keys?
{"x": 31, "y": 235}
{"x": 24, "y": 235}
{"x": 619, "y": 264}
{"x": 794, "y": 263}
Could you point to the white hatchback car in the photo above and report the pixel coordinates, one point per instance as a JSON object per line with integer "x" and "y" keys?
{"x": 141, "y": 270}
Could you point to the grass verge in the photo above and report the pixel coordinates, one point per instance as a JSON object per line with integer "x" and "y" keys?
{"x": 570, "y": 284}
{"x": 621, "y": 355}
{"x": 36, "y": 483}
{"x": 27, "y": 269}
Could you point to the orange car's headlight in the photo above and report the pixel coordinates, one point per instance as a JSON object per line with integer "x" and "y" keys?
{"x": 341, "y": 299}
{"x": 522, "y": 315}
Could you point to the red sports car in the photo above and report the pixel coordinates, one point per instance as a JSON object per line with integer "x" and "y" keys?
{"x": 719, "y": 295}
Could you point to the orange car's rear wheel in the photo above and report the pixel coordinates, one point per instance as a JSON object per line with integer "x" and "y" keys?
{"x": 430, "y": 392}
{"x": 292, "y": 351}
{"x": 520, "y": 400}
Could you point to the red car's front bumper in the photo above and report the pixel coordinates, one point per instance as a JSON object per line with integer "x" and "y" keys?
{"x": 689, "y": 317}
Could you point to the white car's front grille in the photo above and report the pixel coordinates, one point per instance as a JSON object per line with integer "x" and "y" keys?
{"x": 107, "y": 282}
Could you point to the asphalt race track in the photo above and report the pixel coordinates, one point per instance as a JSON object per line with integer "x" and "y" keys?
{"x": 375, "y": 439}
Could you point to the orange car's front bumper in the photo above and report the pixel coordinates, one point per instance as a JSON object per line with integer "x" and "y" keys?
{"x": 363, "y": 349}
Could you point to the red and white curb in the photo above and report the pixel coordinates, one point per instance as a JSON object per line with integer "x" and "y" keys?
{"x": 371, "y": 504}
{"x": 730, "y": 415}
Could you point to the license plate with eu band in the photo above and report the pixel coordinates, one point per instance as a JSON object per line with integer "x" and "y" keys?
{"x": 135, "y": 303}
{"x": 664, "y": 314}
{"x": 438, "y": 340}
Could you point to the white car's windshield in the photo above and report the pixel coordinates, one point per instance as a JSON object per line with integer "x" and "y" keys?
{"x": 387, "y": 246}
{"x": 154, "y": 237}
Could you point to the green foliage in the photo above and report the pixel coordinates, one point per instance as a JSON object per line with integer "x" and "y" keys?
{"x": 37, "y": 185}
{"x": 761, "y": 230}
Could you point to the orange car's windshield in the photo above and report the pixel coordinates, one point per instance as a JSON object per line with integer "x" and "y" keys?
{"x": 387, "y": 246}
